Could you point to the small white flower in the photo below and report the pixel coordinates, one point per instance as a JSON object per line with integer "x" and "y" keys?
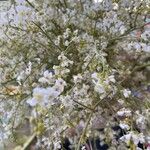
{"x": 111, "y": 79}
{"x": 99, "y": 88}
{"x": 126, "y": 137}
{"x": 52, "y": 93}
{"x": 124, "y": 126}
{"x": 65, "y": 35}
{"x": 43, "y": 80}
{"x": 122, "y": 29}
{"x": 60, "y": 82}
{"x": 120, "y": 101}
{"x": 57, "y": 145}
{"x": 48, "y": 77}
{"x": 146, "y": 48}
{"x": 59, "y": 85}
{"x": 126, "y": 93}
{"x": 64, "y": 64}
{"x": 124, "y": 112}
{"x": 66, "y": 101}
{"x": 145, "y": 35}
{"x": 28, "y": 69}
{"x": 115, "y": 6}
{"x": 62, "y": 57}
{"x": 64, "y": 71}
{"x": 20, "y": 77}
{"x": 141, "y": 121}
{"x": 135, "y": 137}
{"x": 94, "y": 75}
{"x": 56, "y": 42}
{"x": 40, "y": 96}
{"x": 75, "y": 39}
{"x": 78, "y": 78}
{"x": 56, "y": 69}
{"x": 83, "y": 148}
{"x": 98, "y": 1}
{"x": 32, "y": 102}
{"x": 75, "y": 32}
{"x": 66, "y": 43}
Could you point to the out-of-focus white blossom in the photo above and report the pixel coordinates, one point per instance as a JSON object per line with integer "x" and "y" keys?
{"x": 57, "y": 145}
{"x": 99, "y": 88}
{"x": 77, "y": 78}
{"x": 66, "y": 57}
{"x": 135, "y": 137}
{"x": 111, "y": 79}
{"x": 124, "y": 112}
{"x": 40, "y": 96}
{"x": 47, "y": 77}
{"x": 59, "y": 85}
{"x": 126, "y": 93}
{"x": 124, "y": 126}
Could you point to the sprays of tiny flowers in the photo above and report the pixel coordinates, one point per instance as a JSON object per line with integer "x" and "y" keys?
{"x": 64, "y": 61}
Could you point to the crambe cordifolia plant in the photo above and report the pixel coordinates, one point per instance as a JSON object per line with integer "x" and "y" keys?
{"x": 76, "y": 73}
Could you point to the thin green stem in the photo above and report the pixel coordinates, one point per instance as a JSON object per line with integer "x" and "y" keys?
{"x": 88, "y": 121}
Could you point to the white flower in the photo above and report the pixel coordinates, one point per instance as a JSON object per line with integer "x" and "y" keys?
{"x": 122, "y": 29}
{"x": 111, "y": 79}
{"x": 120, "y": 101}
{"x": 95, "y": 78}
{"x": 66, "y": 101}
{"x": 94, "y": 75}
{"x": 64, "y": 71}
{"x": 135, "y": 137}
{"x": 66, "y": 63}
{"x": 67, "y": 33}
{"x": 141, "y": 121}
{"x": 145, "y": 35}
{"x": 20, "y": 77}
{"x": 43, "y": 80}
{"x": 83, "y": 148}
{"x": 60, "y": 82}
{"x": 99, "y": 88}
{"x": 57, "y": 145}
{"x": 48, "y": 77}
{"x": 98, "y": 1}
{"x": 126, "y": 138}
{"x": 40, "y": 96}
{"x": 59, "y": 85}
{"x": 124, "y": 112}
{"x": 115, "y": 6}
{"x": 126, "y": 93}
{"x": 56, "y": 69}
{"x": 62, "y": 57}
{"x": 56, "y": 42}
{"x": 75, "y": 39}
{"x": 146, "y": 48}
{"x": 32, "y": 102}
{"x": 77, "y": 78}
{"x": 75, "y": 32}
{"x": 64, "y": 60}
{"x": 84, "y": 90}
{"x": 52, "y": 94}
{"x": 66, "y": 43}
{"x": 43, "y": 96}
{"x": 28, "y": 69}
{"x": 124, "y": 126}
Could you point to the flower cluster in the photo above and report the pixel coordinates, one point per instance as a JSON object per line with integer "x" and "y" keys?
{"x": 75, "y": 72}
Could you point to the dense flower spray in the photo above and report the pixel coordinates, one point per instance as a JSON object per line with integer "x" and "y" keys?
{"x": 75, "y": 70}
